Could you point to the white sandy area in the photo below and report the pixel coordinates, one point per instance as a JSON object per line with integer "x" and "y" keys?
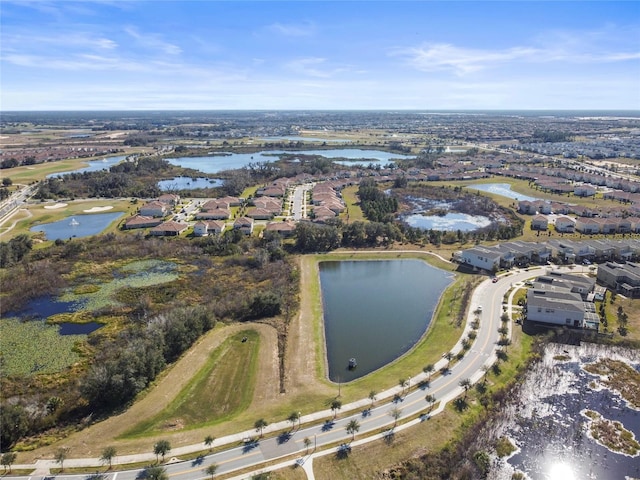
{"x": 57, "y": 205}
{"x": 98, "y": 209}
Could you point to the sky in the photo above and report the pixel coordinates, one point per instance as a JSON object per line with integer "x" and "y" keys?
{"x": 309, "y": 55}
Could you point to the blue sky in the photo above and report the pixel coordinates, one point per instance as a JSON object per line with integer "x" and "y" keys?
{"x": 114, "y": 55}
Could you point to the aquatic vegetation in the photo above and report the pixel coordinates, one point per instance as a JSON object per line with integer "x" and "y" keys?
{"x": 29, "y": 348}
{"x": 619, "y": 377}
{"x": 139, "y": 274}
{"x": 611, "y": 434}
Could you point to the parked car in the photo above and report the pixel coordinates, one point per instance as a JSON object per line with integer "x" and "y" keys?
{"x": 494, "y": 279}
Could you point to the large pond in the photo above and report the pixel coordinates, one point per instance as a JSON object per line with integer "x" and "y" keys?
{"x": 94, "y": 166}
{"x": 77, "y": 226}
{"x": 218, "y": 163}
{"x": 503, "y": 189}
{"x": 548, "y": 423}
{"x": 294, "y": 138}
{"x": 188, "y": 183}
{"x": 375, "y": 311}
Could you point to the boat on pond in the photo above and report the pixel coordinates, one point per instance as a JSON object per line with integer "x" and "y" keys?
{"x": 352, "y": 363}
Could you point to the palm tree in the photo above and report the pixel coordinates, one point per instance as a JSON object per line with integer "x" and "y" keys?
{"x": 8, "y": 458}
{"x": 395, "y": 413}
{"x": 428, "y": 369}
{"x": 162, "y": 447}
{"x": 211, "y": 469}
{"x": 352, "y": 428}
{"x": 293, "y": 418}
{"x": 403, "y": 383}
{"x": 260, "y": 425}
{"x": 449, "y": 357}
{"x": 335, "y": 406}
{"x": 208, "y": 441}
{"x": 430, "y": 400}
{"x": 61, "y": 456}
{"x": 372, "y": 396}
{"x": 107, "y": 455}
{"x": 307, "y": 443}
{"x": 465, "y": 383}
{"x": 155, "y": 472}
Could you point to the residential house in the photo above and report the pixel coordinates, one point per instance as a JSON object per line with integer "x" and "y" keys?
{"x": 169, "y": 229}
{"x": 587, "y": 225}
{"x": 141, "y": 221}
{"x": 539, "y": 222}
{"x": 621, "y": 278}
{"x": 244, "y": 224}
{"x": 565, "y": 224}
{"x": 153, "y": 209}
{"x": 482, "y": 258}
{"x": 285, "y": 229}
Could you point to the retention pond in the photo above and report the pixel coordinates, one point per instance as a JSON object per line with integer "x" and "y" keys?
{"x": 375, "y": 311}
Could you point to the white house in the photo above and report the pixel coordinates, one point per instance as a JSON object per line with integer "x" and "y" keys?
{"x": 480, "y": 257}
{"x": 565, "y": 224}
{"x": 153, "y": 209}
{"x": 539, "y": 222}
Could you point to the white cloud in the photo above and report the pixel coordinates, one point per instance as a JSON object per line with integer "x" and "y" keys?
{"x": 293, "y": 30}
{"x": 153, "y": 41}
{"x": 558, "y": 46}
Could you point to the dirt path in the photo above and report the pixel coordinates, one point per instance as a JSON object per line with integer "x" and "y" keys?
{"x": 92, "y": 440}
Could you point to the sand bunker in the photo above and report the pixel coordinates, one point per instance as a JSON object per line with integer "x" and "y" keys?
{"x": 57, "y": 205}
{"x": 98, "y": 209}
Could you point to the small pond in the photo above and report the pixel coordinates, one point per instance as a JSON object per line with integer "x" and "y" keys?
{"x": 188, "y": 183}
{"x": 220, "y": 162}
{"x": 43, "y": 307}
{"x": 94, "y": 166}
{"x": 503, "y": 189}
{"x": 451, "y": 221}
{"x": 77, "y": 226}
{"x": 375, "y": 311}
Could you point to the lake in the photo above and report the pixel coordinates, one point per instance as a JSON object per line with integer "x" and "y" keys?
{"x": 94, "y": 166}
{"x": 376, "y": 311}
{"x": 77, "y": 226}
{"x": 188, "y": 183}
{"x": 293, "y": 138}
{"x": 231, "y": 161}
{"x": 503, "y": 189}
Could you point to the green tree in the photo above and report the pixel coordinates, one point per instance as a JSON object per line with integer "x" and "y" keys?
{"x": 155, "y": 472}
{"x": 307, "y": 443}
{"x": 293, "y": 418}
{"x": 61, "y": 456}
{"x": 162, "y": 447}
{"x": 335, "y": 406}
{"x": 431, "y": 400}
{"x": 108, "y": 454}
{"x": 8, "y": 459}
{"x": 352, "y": 428}
{"x": 403, "y": 383}
{"x": 466, "y": 384}
{"x": 428, "y": 369}
{"x": 211, "y": 469}
{"x": 395, "y": 413}
{"x": 260, "y": 425}
{"x": 448, "y": 356}
{"x": 372, "y": 396}
{"x": 208, "y": 441}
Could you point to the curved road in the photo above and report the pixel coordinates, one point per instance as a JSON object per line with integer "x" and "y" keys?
{"x": 326, "y": 431}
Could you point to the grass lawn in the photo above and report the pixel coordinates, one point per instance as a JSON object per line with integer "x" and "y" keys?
{"x": 353, "y": 212}
{"x": 27, "y": 174}
{"x": 220, "y": 389}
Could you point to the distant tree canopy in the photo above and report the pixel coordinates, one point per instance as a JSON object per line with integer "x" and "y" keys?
{"x": 550, "y": 136}
{"x": 376, "y": 205}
